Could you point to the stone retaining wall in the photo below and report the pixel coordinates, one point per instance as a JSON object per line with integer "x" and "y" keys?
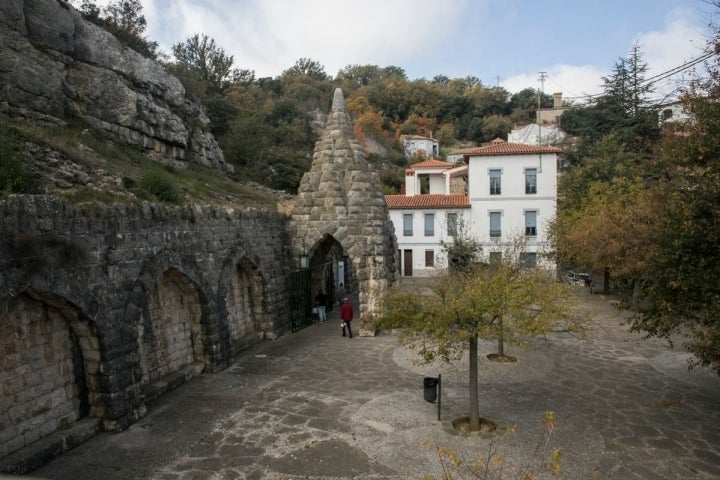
{"x": 101, "y": 304}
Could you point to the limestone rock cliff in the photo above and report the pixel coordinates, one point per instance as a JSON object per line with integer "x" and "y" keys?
{"x": 56, "y": 66}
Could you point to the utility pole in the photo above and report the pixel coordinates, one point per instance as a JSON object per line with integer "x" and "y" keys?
{"x": 542, "y": 76}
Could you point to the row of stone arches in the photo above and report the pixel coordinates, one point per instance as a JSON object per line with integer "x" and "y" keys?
{"x": 60, "y": 363}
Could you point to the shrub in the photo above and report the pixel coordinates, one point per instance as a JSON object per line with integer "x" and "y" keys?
{"x": 161, "y": 185}
{"x": 13, "y": 176}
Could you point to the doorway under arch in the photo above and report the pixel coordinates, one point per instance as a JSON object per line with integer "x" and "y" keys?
{"x": 330, "y": 266}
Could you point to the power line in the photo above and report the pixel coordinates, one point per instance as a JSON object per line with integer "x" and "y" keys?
{"x": 656, "y": 78}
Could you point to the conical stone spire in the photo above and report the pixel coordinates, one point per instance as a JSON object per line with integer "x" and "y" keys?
{"x": 341, "y": 197}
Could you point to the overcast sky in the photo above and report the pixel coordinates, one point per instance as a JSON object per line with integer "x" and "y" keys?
{"x": 506, "y": 42}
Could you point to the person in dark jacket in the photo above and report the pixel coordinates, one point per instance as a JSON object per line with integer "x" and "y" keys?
{"x": 321, "y": 301}
{"x": 346, "y": 316}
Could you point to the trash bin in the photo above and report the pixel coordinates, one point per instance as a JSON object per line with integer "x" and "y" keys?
{"x": 430, "y": 388}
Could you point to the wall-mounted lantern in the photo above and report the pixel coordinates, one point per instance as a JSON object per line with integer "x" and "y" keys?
{"x": 304, "y": 258}
{"x": 304, "y": 261}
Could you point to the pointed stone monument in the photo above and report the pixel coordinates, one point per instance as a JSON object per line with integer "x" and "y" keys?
{"x": 340, "y": 214}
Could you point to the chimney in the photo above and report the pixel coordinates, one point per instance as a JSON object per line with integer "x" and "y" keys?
{"x": 557, "y": 100}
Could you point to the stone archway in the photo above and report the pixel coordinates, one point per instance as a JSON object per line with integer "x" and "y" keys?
{"x": 244, "y": 304}
{"x": 171, "y": 338}
{"x": 48, "y": 369}
{"x": 330, "y": 265}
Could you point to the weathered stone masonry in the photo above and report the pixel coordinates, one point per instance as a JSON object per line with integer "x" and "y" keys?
{"x": 103, "y": 307}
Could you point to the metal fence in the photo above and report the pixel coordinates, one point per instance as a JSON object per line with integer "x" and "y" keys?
{"x": 300, "y": 300}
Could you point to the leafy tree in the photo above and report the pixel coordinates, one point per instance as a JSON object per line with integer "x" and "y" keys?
{"x": 606, "y": 177}
{"x": 446, "y": 135}
{"x": 354, "y": 76}
{"x": 495, "y": 126}
{"x": 90, "y": 11}
{"x": 489, "y": 100}
{"x": 464, "y": 305}
{"x": 200, "y": 55}
{"x": 307, "y": 66}
{"x": 524, "y": 103}
{"x": 609, "y": 232}
{"x": 682, "y": 293}
{"x": 125, "y": 20}
{"x": 624, "y": 109}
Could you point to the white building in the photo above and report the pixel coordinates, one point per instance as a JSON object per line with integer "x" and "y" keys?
{"x": 534, "y": 134}
{"x": 673, "y": 113}
{"x": 511, "y": 191}
{"x": 427, "y": 147}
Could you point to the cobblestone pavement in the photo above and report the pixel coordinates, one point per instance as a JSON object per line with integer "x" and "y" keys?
{"x": 319, "y": 406}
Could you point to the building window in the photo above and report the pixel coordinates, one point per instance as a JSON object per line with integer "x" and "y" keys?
{"x": 530, "y": 180}
{"x": 495, "y": 182}
{"x": 407, "y": 225}
{"x": 452, "y": 224}
{"x": 530, "y": 223}
{"x": 429, "y": 224}
{"x": 495, "y": 229}
{"x": 424, "y": 180}
{"x": 495, "y": 258}
{"x": 529, "y": 259}
{"x": 429, "y": 258}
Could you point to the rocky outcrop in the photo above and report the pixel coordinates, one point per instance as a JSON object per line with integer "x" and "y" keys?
{"x": 55, "y": 66}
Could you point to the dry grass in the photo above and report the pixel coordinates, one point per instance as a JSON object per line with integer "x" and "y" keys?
{"x": 138, "y": 177}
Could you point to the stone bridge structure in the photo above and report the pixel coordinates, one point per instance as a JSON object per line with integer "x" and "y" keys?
{"x": 104, "y": 307}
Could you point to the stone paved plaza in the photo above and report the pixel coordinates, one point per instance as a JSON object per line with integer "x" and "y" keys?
{"x": 319, "y": 406}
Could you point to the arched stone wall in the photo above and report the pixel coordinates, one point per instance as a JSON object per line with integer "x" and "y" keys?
{"x": 244, "y": 302}
{"x": 109, "y": 271}
{"x": 48, "y": 368}
{"x": 171, "y": 337}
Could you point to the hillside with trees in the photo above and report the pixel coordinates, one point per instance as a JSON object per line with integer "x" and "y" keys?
{"x": 636, "y": 201}
{"x": 267, "y": 127}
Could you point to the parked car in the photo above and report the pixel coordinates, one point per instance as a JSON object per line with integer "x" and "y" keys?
{"x": 577, "y": 278}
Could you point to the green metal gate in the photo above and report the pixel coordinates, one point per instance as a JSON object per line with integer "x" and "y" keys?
{"x": 330, "y": 285}
{"x": 300, "y": 300}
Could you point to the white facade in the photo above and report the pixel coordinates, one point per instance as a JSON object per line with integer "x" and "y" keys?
{"x": 514, "y": 195}
{"x": 428, "y": 147}
{"x": 512, "y": 192}
{"x": 673, "y": 113}
{"x": 420, "y": 233}
{"x": 535, "y": 134}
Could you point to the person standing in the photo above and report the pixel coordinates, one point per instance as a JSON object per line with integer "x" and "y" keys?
{"x": 341, "y": 294}
{"x": 346, "y": 316}
{"x": 321, "y": 301}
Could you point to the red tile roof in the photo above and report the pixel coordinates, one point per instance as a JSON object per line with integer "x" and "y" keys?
{"x": 431, "y": 163}
{"x": 427, "y": 201}
{"x": 510, "y": 149}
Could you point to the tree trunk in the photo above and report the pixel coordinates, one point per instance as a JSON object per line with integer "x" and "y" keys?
{"x": 501, "y": 338}
{"x": 474, "y": 408}
{"x": 606, "y": 281}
